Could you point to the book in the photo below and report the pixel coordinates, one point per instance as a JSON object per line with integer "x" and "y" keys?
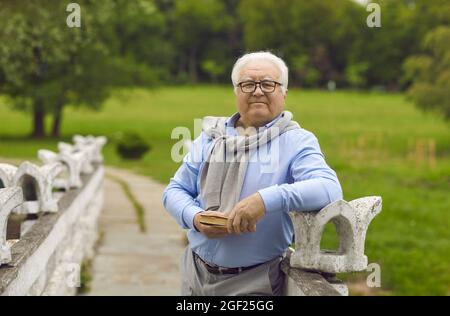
{"x": 213, "y": 220}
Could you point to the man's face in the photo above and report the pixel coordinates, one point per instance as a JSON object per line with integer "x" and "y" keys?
{"x": 259, "y": 108}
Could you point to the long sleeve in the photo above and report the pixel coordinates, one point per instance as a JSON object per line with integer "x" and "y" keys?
{"x": 179, "y": 197}
{"x": 315, "y": 183}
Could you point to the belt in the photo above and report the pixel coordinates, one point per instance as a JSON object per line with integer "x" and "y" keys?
{"x": 222, "y": 270}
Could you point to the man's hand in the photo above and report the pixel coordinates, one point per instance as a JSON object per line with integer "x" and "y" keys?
{"x": 207, "y": 230}
{"x": 246, "y": 214}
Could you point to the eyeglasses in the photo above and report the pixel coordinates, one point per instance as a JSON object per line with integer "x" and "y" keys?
{"x": 267, "y": 86}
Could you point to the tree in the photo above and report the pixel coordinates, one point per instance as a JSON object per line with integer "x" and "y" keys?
{"x": 46, "y": 65}
{"x": 404, "y": 24}
{"x": 196, "y": 24}
{"x": 314, "y": 37}
{"x": 138, "y": 31}
{"x": 430, "y": 73}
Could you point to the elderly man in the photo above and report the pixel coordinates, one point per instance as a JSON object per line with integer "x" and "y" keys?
{"x": 254, "y": 167}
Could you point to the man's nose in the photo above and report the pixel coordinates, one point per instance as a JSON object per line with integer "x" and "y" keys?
{"x": 258, "y": 90}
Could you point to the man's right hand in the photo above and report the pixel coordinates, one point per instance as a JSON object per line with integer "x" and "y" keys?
{"x": 207, "y": 230}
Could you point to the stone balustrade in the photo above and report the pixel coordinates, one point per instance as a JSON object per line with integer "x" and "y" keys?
{"x": 58, "y": 203}
{"x": 311, "y": 270}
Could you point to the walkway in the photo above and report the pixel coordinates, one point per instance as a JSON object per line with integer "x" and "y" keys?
{"x": 127, "y": 261}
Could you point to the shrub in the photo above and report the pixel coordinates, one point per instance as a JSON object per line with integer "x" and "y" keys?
{"x": 132, "y": 146}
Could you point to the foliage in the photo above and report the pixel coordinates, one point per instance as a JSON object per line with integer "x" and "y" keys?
{"x": 306, "y": 73}
{"x": 430, "y": 73}
{"x": 200, "y": 30}
{"x": 213, "y": 69}
{"x": 85, "y": 277}
{"x": 46, "y": 65}
{"x": 313, "y": 36}
{"x": 132, "y": 146}
{"x": 356, "y": 74}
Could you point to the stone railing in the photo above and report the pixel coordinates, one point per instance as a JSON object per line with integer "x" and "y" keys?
{"x": 48, "y": 218}
{"x": 312, "y": 271}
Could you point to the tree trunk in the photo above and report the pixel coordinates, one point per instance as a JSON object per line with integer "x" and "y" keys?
{"x": 57, "y": 118}
{"x": 38, "y": 120}
{"x": 234, "y": 40}
{"x": 193, "y": 65}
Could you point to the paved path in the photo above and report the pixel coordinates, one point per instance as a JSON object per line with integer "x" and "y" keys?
{"x": 127, "y": 261}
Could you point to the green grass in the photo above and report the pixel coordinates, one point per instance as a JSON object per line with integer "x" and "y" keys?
{"x": 379, "y": 144}
{"x": 85, "y": 277}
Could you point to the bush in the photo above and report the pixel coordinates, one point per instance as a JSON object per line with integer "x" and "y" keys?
{"x": 132, "y": 146}
{"x": 430, "y": 73}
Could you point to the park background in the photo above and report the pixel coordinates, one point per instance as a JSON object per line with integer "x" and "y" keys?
{"x": 377, "y": 98}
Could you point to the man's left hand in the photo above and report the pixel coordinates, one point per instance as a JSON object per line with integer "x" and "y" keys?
{"x": 246, "y": 214}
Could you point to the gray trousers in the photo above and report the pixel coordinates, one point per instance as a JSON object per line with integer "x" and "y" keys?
{"x": 266, "y": 279}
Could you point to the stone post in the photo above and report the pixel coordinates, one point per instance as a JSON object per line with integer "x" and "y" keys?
{"x": 37, "y": 186}
{"x": 96, "y": 142}
{"x": 73, "y": 161}
{"x": 351, "y": 220}
{"x": 7, "y": 173}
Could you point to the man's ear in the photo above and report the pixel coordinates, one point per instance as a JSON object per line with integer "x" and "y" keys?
{"x": 285, "y": 93}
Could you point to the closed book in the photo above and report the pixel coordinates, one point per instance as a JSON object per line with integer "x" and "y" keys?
{"x": 213, "y": 220}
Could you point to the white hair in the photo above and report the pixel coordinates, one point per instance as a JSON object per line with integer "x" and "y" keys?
{"x": 266, "y": 56}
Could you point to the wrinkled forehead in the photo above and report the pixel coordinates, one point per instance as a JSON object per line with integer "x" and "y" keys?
{"x": 259, "y": 70}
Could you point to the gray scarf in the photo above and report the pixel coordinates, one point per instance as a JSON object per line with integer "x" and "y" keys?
{"x": 223, "y": 174}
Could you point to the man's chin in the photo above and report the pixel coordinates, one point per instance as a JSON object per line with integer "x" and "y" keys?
{"x": 259, "y": 111}
{"x": 259, "y": 115}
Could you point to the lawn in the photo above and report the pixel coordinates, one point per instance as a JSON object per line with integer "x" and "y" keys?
{"x": 379, "y": 144}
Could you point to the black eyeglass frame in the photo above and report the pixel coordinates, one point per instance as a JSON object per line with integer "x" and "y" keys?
{"x": 259, "y": 83}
